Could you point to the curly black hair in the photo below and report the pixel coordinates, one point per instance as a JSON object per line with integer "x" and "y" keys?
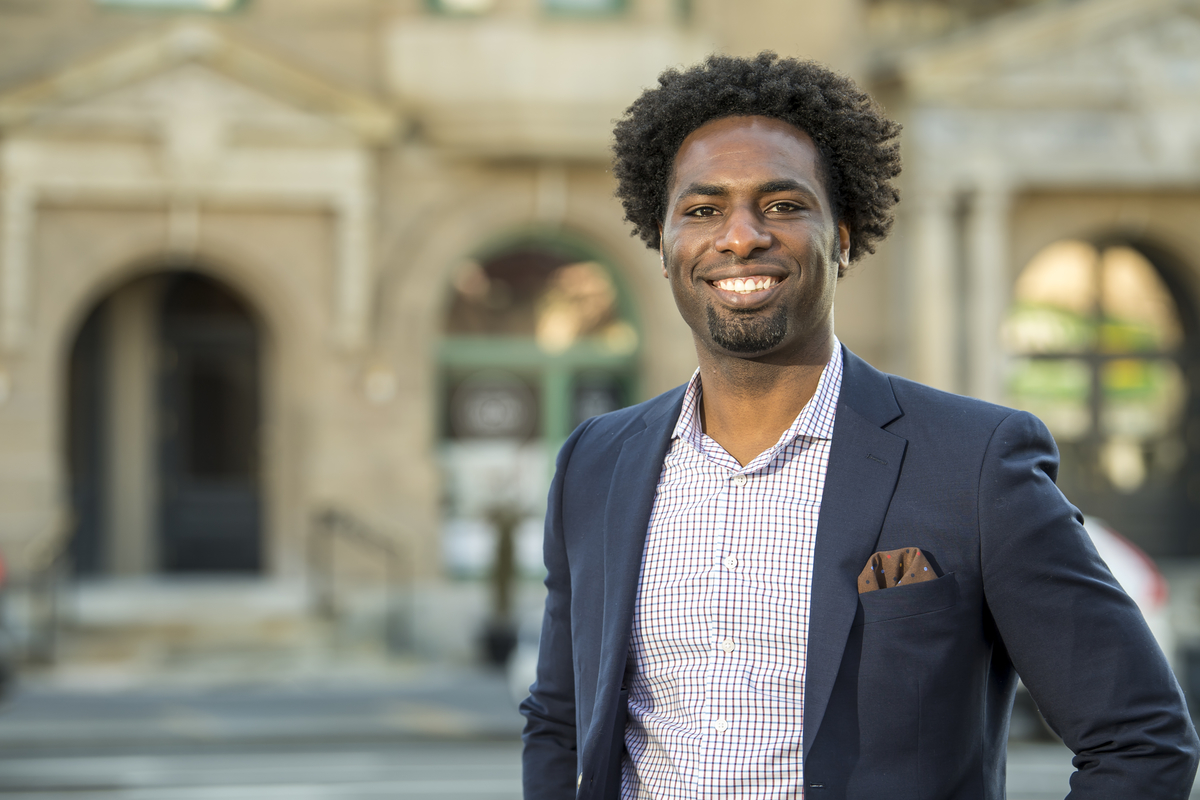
{"x": 858, "y": 146}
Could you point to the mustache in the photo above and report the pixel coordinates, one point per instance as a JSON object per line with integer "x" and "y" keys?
{"x": 734, "y": 262}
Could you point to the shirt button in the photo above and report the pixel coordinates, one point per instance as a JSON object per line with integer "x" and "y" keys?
{"x": 739, "y": 480}
{"x": 730, "y": 561}
{"x": 727, "y": 645}
{"x": 721, "y": 725}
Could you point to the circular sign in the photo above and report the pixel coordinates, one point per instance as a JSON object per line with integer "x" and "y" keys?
{"x": 493, "y": 406}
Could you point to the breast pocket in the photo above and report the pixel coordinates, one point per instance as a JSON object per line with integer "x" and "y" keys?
{"x": 908, "y": 601}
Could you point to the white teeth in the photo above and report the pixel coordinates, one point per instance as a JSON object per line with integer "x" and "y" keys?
{"x": 744, "y": 286}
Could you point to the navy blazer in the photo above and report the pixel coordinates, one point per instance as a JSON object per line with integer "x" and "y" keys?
{"x": 908, "y": 690}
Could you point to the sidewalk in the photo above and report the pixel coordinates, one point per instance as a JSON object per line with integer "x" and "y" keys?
{"x": 408, "y": 702}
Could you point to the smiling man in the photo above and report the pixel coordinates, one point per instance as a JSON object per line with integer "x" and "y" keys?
{"x": 797, "y": 576}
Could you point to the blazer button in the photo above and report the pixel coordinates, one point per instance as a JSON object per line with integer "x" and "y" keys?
{"x": 579, "y": 782}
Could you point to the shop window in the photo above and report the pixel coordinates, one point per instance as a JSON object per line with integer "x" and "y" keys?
{"x": 211, "y": 6}
{"x": 462, "y": 7}
{"x": 583, "y": 7}
{"x": 536, "y": 340}
{"x": 1096, "y": 337}
{"x": 1098, "y": 352}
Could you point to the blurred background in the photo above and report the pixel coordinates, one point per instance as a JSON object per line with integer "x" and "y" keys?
{"x": 298, "y": 299}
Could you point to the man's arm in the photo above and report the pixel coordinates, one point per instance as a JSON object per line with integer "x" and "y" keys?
{"x": 1077, "y": 640}
{"x": 549, "y": 760}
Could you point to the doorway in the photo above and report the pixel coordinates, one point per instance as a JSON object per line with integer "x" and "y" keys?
{"x": 537, "y": 338}
{"x": 163, "y": 430}
{"x": 1104, "y": 351}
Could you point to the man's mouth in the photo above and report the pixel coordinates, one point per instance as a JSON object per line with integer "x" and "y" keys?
{"x": 754, "y": 283}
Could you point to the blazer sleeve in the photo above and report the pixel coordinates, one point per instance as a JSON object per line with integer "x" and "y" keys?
{"x": 549, "y": 760}
{"x": 1077, "y": 640}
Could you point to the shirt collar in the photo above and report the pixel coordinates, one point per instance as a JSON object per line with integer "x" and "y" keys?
{"x": 815, "y": 420}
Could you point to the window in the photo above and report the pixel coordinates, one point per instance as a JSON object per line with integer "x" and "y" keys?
{"x": 1096, "y": 339}
{"x": 536, "y": 339}
{"x": 212, "y": 6}
{"x": 583, "y": 7}
{"x": 462, "y": 7}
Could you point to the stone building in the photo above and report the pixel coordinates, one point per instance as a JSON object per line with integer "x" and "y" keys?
{"x": 264, "y": 258}
{"x": 1053, "y": 252}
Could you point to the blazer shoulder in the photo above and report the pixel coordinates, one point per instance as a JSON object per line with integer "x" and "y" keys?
{"x": 963, "y": 424}
{"x": 918, "y": 399}
{"x": 624, "y": 422}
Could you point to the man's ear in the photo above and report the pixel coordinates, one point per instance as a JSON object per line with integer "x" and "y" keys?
{"x": 843, "y": 248}
{"x": 662, "y": 259}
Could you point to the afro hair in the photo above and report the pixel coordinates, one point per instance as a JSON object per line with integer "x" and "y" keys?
{"x": 859, "y": 147}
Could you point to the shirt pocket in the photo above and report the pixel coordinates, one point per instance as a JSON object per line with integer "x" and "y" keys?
{"x": 902, "y": 601}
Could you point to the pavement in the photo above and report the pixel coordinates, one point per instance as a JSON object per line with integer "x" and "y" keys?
{"x": 413, "y": 730}
{"x": 428, "y": 702}
{"x": 403, "y": 729}
{"x": 412, "y": 770}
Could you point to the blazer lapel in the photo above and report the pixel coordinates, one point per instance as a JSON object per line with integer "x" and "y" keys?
{"x": 864, "y": 465}
{"x": 626, "y": 517}
{"x": 634, "y": 482}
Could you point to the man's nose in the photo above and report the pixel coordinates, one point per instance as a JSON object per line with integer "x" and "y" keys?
{"x": 744, "y": 232}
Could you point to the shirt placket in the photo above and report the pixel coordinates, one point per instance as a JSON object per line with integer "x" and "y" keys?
{"x": 723, "y": 677}
{"x": 725, "y": 549}
{"x": 715, "y": 589}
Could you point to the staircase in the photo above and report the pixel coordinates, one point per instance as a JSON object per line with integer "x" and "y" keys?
{"x": 200, "y": 630}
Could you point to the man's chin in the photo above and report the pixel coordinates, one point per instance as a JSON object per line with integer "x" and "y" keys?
{"x": 747, "y": 337}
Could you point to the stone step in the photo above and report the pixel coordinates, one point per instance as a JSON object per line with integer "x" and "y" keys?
{"x": 204, "y": 628}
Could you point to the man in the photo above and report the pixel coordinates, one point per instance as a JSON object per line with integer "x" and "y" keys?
{"x": 797, "y": 576}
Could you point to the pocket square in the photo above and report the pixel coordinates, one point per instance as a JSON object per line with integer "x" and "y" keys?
{"x": 889, "y": 568}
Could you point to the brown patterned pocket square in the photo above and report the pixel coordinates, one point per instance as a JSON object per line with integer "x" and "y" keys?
{"x": 889, "y": 568}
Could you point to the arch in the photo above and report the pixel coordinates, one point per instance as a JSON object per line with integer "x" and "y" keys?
{"x": 559, "y": 342}
{"x": 537, "y": 333}
{"x": 267, "y": 306}
{"x": 1103, "y": 337}
{"x": 444, "y": 238}
{"x": 579, "y": 245}
{"x": 163, "y": 401}
{"x": 419, "y": 264}
{"x": 1175, "y": 272}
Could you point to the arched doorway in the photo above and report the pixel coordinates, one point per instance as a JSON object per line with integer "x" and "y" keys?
{"x": 537, "y": 337}
{"x": 163, "y": 430}
{"x": 1103, "y": 344}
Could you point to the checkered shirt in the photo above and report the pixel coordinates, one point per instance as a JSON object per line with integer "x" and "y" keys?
{"x": 720, "y": 630}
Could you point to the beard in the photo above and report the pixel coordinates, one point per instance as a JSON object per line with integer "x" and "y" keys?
{"x": 747, "y": 331}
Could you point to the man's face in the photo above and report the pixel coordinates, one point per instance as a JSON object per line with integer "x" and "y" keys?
{"x": 749, "y": 242}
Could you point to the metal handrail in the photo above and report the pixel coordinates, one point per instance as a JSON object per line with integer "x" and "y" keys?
{"x": 330, "y": 524}
{"x": 47, "y": 557}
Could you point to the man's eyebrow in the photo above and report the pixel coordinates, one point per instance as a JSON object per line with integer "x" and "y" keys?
{"x": 783, "y": 185}
{"x": 770, "y": 187}
{"x": 704, "y": 190}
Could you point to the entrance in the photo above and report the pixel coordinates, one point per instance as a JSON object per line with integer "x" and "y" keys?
{"x": 163, "y": 430}
{"x": 1103, "y": 345}
{"x": 537, "y": 338}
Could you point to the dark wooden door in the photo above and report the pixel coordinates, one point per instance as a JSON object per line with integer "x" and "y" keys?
{"x": 211, "y": 508}
{"x": 86, "y": 442}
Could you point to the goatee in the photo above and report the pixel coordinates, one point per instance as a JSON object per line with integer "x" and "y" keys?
{"x": 747, "y": 331}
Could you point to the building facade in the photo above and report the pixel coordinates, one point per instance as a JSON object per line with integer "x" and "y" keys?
{"x": 266, "y": 258}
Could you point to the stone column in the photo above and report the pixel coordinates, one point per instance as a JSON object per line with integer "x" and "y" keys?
{"x": 18, "y": 215}
{"x": 355, "y": 276}
{"x": 987, "y": 266}
{"x": 130, "y": 479}
{"x": 934, "y": 290}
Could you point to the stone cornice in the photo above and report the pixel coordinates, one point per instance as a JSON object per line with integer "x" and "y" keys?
{"x": 198, "y": 43}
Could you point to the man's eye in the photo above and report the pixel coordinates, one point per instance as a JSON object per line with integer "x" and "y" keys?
{"x": 703, "y": 211}
{"x": 785, "y": 207}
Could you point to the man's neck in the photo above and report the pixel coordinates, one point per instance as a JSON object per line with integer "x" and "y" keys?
{"x": 747, "y": 405}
